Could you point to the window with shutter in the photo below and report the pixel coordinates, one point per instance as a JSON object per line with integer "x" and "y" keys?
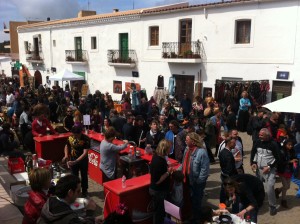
{"x": 242, "y": 31}
{"x": 154, "y": 36}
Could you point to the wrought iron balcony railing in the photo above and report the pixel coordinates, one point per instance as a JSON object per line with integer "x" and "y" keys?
{"x": 33, "y": 56}
{"x": 192, "y": 49}
{"x": 121, "y": 56}
{"x": 76, "y": 55}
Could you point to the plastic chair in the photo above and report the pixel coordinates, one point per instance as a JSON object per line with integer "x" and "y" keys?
{"x": 173, "y": 210}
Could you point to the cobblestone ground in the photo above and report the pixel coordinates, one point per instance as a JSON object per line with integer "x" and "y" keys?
{"x": 290, "y": 215}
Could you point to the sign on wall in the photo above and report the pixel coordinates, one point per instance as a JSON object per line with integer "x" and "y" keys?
{"x": 283, "y": 75}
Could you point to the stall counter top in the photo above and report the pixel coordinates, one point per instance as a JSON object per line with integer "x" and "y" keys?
{"x": 44, "y": 138}
{"x": 131, "y": 184}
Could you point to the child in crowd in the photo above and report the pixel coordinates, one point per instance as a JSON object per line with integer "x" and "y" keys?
{"x": 285, "y": 169}
{"x": 281, "y": 134}
{"x": 177, "y": 190}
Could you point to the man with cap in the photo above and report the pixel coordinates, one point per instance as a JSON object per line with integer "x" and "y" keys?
{"x": 195, "y": 168}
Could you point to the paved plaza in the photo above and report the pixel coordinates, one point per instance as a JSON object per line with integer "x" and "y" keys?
{"x": 213, "y": 187}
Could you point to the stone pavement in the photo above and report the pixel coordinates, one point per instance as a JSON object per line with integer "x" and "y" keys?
{"x": 288, "y": 216}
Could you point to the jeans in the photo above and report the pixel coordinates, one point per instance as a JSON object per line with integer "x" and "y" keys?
{"x": 197, "y": 191}
{"x": 82, "y": 166}
{"x": 269, "y": 181}
{"x": 158, "y": 198}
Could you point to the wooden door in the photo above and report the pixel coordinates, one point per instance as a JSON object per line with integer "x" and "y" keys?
{"x": 124, "y": 46}
{"x": 37, "y": 79}
{"x": 185, "y": 35}
{"x": 281, "y": 89}
{"x": 184, "y": 84}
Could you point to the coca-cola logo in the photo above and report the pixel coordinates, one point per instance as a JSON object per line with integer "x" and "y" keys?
{"x": 93, "y": 159}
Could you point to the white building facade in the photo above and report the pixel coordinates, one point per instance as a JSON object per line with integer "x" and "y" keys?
{"x": 235, "y": 41}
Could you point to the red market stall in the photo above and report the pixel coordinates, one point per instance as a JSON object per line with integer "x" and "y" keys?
{"x": 51, "y": 147}
{"x": 136, "y": 189}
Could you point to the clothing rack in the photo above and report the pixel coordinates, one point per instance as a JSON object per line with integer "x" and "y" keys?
{"x": 229, "y": 91}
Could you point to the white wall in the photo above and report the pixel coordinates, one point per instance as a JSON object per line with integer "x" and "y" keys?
{"x": 274, "y": 46}
{"x": 5, "y": 65}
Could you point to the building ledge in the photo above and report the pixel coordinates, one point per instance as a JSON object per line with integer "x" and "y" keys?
{"x": 6, "y": 30}
{"x": 122, "y": 65}
{"x": 77, "y": 62}
{"x": 183, "y": 60}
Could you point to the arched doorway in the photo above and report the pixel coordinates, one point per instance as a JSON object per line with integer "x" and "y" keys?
{"x": 37, "y": 79}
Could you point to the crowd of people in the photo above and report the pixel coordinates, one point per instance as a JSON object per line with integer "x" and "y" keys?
{"x": 185, "y": 131}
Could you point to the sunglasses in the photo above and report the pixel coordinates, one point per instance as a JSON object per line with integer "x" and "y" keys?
{"x": 69, "y": 111}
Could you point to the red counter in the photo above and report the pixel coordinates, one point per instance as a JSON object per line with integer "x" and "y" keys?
{"x": 51, "y": 147}
{"x": 94, "y": 156}
{"x": 134, "y": 196}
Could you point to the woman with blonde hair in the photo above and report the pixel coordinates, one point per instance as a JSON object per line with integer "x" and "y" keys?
{"x": 195, "y": 168}
{"x": 40, "y": 179}
{"x": 160, "y": 180}
{"x": 243, "y": 113}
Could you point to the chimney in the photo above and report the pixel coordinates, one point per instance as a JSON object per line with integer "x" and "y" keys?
{"x": 48, "y": 18}
{"x": 84, "y": 13}
{"x": 115, "y": 10}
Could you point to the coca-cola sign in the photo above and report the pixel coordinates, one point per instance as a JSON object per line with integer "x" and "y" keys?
{"x": 93, "y": 159}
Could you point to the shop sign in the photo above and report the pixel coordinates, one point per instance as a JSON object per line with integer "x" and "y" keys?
{"x": 283, "y": 75}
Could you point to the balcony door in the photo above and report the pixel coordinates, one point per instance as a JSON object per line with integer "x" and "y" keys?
{"x": 123, "y": 46}
{"x": 185, "y": 35}
{"x": 78, "y": 49}
{"x": 36, "y": 47}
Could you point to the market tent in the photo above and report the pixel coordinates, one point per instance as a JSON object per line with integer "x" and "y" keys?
{"x": 66, "y": 75}
{"x": 288, "y": 104}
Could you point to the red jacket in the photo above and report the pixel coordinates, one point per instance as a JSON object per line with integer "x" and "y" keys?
{"x": 33, "y": 207}
{"x": 37, "y": 129}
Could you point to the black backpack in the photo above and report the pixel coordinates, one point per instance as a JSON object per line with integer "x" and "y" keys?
{"x": 250, "y": 126}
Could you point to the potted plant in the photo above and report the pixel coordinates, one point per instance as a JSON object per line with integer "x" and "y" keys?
{"x": 70, "y": 58}
{"x": 164, "y": 54}
{"x": 173, "y": 55}
{"x": 188, "y": 54}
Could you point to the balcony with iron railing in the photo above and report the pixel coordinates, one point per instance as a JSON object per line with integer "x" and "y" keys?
{"x": 34, "y": 57}
{"x": 190, "y": 52}
{"x": 76, "y": 56}
{"x": 122, "y": 58}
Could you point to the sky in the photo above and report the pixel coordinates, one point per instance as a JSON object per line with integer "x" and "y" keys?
{"x": 16, "y": 10}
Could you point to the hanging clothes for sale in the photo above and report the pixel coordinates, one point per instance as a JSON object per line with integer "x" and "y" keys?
{"x": 172, "y": 85}
{"x": 229, "y": 91}
{"x": 160, "y": 96}
{"x": 160, "y": 82}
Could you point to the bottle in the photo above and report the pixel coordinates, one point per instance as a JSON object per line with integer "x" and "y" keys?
{"x": 123, "y": 181}
{"x": 148, "y": 150}
{"x": 29, "y": 165}
{"x": 34, "y": 161}
{"x": 130, "y": 152}
{"x": 248, "y": 219}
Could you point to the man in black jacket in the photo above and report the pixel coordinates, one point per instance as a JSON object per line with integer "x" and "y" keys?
{"x": 264, "y": 159}
{"x": 58, "y": 209}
